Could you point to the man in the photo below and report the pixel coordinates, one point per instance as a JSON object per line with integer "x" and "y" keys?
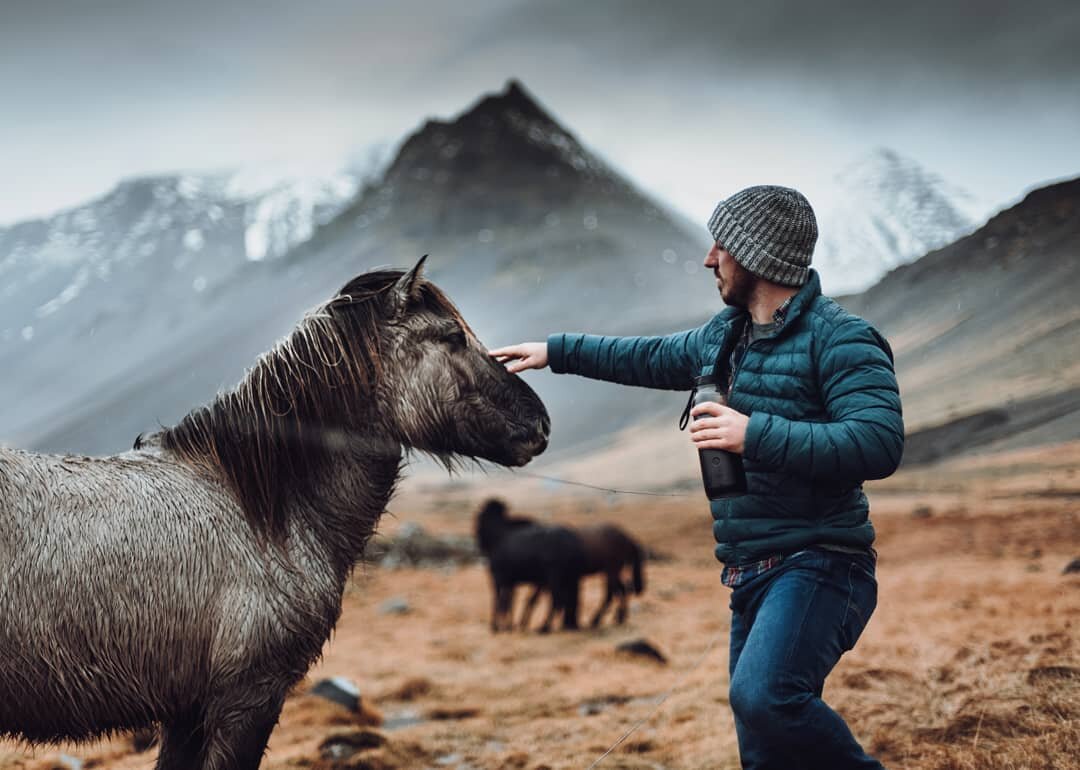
{"x": 813, "y": 408}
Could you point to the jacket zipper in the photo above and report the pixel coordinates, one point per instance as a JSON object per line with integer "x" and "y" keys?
{"x": 750, "y": 344}
{"x": 735, "y": 372}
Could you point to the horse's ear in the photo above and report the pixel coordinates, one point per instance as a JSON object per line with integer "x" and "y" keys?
{"x": 407, "y": 288}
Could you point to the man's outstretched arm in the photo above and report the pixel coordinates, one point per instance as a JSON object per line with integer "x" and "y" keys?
{"x": 668, "y": 362}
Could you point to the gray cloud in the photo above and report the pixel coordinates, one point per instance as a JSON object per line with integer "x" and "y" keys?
{"x": 983, "y": 91}
{"x": 954, "y": 42}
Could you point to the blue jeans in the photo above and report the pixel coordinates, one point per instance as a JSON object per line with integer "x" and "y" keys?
{"x": 789, "y": 627}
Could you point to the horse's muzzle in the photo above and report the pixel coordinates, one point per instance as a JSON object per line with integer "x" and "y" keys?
{"x": 530, "y": 443}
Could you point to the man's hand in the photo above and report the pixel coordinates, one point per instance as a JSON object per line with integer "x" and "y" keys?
{"x": 724, "y": 428}
{"x": 518, "y": 358}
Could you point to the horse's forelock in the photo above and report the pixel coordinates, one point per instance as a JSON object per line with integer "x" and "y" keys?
{"x": 371, "y": 286}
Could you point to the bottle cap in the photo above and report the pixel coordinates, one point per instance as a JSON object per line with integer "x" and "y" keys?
{"x": 705, "y": 379}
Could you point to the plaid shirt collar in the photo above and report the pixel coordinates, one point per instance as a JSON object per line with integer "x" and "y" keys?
{"x": 779, "y": 317}
{"x": 780, "y": 314}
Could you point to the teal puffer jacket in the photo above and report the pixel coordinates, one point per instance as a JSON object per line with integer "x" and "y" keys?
{"x": 824, "y": 411}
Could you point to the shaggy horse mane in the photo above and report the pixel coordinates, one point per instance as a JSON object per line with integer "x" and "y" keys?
{"x": 300, "y": 402}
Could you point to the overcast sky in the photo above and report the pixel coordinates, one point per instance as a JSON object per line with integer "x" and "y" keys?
{"x": 692, "y": 99}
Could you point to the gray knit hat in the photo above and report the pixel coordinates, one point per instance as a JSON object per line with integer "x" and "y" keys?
{"x": 769, "y": 230}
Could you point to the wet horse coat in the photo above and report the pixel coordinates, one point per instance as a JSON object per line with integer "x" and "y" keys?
{"x": 192, "y": 581}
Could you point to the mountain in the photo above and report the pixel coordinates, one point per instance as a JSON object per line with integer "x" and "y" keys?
{"x": 513, "y": 207}
{"x": 93, "y": 289}
{"x": 886, "y": 210}
{"x": 985, "y": 331}
{"x": 178, "y": 233}
{"x": 531, "y": 232}
{"x": 528, "y": 230}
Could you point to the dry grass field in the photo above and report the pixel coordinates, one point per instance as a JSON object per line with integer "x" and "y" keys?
{"x": 972, "y": 659}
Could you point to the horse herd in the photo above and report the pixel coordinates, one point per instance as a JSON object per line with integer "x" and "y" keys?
{"x": 192, "y": 581}
{"x": 554, "y": 559}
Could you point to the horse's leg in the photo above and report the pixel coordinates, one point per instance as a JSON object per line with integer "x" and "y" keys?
{"x": 504, "y": 607}
{"x": 237, "y": 736}
{"x": 555, "y": 607}
{"x": 571, "y": 586}
{"x": 181, "y": 745}
{"x": 530, "y": 603}
{"x": 607, "y": 600}
{"x": 623, "y": 608}
{"x": 496, "y": 604}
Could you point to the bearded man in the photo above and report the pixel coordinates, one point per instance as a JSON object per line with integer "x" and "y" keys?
{"x": 813, "y": 408}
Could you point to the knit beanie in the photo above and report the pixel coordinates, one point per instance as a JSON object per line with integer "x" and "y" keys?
{"x": 769, "y": 230}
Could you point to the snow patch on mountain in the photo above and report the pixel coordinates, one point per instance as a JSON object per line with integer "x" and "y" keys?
{"x": 287, "y": 214}
{"x": 70, "y": 292}
{"x": 887, "y": 210}
{"x": 204, "y": 225}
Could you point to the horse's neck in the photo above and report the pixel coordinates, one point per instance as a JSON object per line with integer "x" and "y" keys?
{"x": 349, "y": 495}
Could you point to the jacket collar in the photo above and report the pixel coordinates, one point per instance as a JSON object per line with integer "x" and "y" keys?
{"x": 809, "y": 292}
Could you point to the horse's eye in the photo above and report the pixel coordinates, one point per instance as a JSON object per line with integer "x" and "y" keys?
{"x": 456, "y": 339}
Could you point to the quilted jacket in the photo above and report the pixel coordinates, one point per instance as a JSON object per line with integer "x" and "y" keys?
{"x": 824, "y": 409}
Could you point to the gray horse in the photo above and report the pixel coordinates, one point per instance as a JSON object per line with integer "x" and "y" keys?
{"x": 192, "y": 581}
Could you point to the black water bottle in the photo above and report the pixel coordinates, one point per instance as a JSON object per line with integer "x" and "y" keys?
{"x": 721, "y": 471}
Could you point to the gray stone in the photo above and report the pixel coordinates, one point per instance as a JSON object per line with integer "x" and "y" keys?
{"x": 339, "y": 690}
{"x": 395, "y": 605}
{"x": 643, "y": 648}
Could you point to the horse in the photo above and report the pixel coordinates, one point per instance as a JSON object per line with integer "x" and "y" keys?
{"x": 193, "y": 581}
{"x": 607, "y": 550}
{"x": 520, "y": 550}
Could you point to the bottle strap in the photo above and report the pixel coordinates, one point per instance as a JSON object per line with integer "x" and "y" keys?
{"x": 685, "y": 419}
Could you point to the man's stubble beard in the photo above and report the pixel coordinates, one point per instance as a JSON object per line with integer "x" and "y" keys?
{"x": 740, "y": 290}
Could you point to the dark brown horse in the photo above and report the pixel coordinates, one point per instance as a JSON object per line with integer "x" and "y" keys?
{"x": 605, "y": 548}
{"x": 520, "y": 550}
{"x": 192, "y": 581}
{"x": 608, "y": 550}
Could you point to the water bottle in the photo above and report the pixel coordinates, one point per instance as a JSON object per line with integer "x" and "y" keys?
{"x": 721, "y": 471}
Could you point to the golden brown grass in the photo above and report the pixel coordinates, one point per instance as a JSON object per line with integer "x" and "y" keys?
{"x": 971, "y": 660}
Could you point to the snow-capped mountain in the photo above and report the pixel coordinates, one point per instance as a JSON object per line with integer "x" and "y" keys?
{"x": 187, "y": 230}
{"x": 89, "y": 295}
{"x": 887, "y": 210}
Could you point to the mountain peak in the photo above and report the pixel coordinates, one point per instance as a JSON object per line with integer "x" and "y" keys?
{"x": 500, "y": 153}
{"x": 888, "y": 210}
{"x": 514, "y": 106}
{"x": 514, "y": 98}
